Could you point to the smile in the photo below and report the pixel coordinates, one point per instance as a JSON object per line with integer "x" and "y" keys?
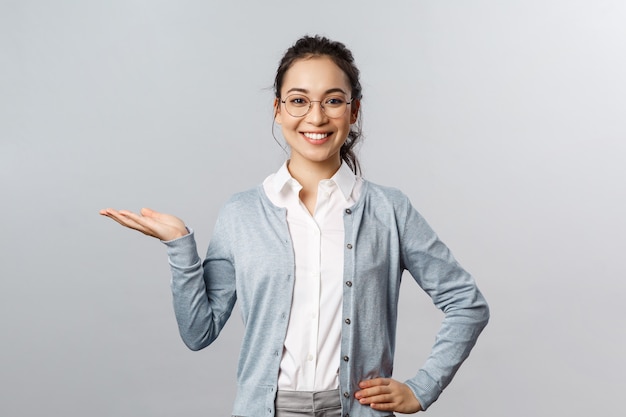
{"x": 315, "y": 136}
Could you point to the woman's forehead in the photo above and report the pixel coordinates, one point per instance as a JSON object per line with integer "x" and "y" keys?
{"x": 315, "y": 75}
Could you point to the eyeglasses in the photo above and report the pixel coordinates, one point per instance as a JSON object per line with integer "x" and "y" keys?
{"x": 299, "y": 105}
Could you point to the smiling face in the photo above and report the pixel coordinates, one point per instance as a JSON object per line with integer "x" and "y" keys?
{"x": 316, "y": 139}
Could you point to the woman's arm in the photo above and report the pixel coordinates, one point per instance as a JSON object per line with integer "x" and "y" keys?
{"x": 454, "y": 291}
{"x": 203, "y": 292}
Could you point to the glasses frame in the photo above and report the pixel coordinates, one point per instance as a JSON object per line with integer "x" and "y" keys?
{"x": 347, "y": 103}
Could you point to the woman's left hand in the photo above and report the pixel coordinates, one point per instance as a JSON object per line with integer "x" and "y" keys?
{"x": 386, "y": 394}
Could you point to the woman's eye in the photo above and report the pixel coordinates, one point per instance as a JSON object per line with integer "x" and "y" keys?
{"x": 299, "y": 101}
{"x": 334, "y": 101}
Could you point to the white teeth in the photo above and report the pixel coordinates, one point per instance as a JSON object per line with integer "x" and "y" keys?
{"x": 316, "y": 136}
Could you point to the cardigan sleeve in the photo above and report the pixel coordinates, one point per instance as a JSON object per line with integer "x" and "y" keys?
{"x": 203, "y": 291}
{"x": 453, "y": 291}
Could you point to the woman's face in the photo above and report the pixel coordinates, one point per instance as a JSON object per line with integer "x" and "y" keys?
{"x": 315, "y": 137}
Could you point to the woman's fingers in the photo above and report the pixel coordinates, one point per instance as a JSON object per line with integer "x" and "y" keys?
{"x": 387, "y": 394}
{"x": 148, "y": 212}
{"x": 149, "y": 222}
{"x": 128, "y": 219}
{"x": 372, "y": 390}
{"x": 144, "y": 224}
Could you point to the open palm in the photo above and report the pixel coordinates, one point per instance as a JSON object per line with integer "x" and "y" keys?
{"x": 149, "y": 222}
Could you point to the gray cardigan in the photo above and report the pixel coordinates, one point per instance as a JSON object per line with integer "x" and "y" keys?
{"x": 250, "y": 258}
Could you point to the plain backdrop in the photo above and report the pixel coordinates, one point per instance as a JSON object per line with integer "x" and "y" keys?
{"x": 503, "y": 121}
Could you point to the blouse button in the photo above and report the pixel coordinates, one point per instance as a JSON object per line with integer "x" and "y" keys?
{"x": 348, "y": 211}
{"x": 346, "y": 394}
{"x": 348, "y": 321}
{"x": 349, "y": 283}
{"x": 349, "y": 246}
{"x": 346, "y": 359}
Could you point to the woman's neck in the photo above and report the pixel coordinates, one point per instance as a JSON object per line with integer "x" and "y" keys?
{"x": 309, "y": 174}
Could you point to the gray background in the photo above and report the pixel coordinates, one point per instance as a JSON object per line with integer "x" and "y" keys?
{"x": 502, "y": 120}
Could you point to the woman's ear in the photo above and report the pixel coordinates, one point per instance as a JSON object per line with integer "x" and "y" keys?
{"x": 277, "y": 116}
{"x": 354, "y": 111}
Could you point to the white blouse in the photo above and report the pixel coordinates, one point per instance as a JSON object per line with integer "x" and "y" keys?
{"x": 311, "y": 353}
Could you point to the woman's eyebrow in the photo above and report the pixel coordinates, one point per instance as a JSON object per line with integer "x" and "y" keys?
{"x": 305, "y": 91}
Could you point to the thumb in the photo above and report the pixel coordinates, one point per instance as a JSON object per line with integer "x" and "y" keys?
{"x": 147, "y": 212}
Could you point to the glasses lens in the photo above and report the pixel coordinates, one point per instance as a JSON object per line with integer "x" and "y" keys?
{"x": 334, "y": 106}
{"x": 297, "y": 105}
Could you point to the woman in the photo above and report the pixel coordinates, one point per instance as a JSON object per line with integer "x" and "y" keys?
{"x": 315, "y": 255}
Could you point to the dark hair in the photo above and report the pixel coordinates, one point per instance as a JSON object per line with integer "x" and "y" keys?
{"x": 315, "y": 46}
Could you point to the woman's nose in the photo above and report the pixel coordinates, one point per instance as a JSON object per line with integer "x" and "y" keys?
{"x": 316, "y": 113}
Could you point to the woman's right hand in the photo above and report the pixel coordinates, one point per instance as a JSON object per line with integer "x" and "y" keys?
{"x": 149, "y": 222}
